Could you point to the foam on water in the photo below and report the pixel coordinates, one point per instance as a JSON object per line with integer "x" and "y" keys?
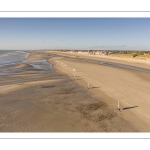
{"x": 41, "y": 65}
{"x": 10, "y": 58}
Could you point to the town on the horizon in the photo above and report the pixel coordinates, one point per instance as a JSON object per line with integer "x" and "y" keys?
{"x": 108, "y": 52}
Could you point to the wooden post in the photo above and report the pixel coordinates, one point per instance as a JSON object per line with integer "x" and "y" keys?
{"x": 88, "y": 85}
{"x": 118, "y": 108}
{"x": 74, "y": 75}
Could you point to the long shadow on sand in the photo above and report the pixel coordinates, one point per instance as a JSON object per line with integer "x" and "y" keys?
{"x": 94, "y": 87}
{"x": 129, "y": 107}
{"x": 48, "y": 86}
{"x": 79, "y": 78}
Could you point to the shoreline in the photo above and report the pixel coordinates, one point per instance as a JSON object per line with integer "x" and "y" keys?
{"x": 43, "y": 101}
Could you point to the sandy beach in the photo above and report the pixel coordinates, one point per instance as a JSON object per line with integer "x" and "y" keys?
{"x": 35, "y": 100}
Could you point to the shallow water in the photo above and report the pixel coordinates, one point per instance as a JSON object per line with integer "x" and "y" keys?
{"x": 12, "y": 57}
{"x": 42, "y": 65}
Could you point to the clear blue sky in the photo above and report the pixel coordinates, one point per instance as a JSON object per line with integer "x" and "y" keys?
{"x": 75, "y": 33}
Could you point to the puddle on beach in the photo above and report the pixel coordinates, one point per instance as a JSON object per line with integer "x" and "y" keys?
{"x": 124, "y": 66}
{"x": 35, "y": 61}
{"x": 42, "y": 66}
{"x": 111, "y": 64}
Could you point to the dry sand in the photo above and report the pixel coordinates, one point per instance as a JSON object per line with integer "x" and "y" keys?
{"x": 129, "y": 87}
{"x": 43, "y": 101}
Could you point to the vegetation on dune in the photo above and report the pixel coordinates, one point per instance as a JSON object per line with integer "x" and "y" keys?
{"x": 145, "y": 55}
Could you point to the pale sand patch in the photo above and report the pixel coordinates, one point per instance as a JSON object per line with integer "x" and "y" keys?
{"x": 38, "y": 55}
{"x": 22, "y": 66}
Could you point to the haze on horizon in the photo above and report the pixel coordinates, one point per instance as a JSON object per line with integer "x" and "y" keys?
{"x": 75, "y": 33}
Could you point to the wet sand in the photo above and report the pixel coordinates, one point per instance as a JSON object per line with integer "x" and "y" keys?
{"x": 34, "y": 100}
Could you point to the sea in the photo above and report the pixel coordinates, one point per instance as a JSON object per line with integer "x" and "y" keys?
{"x": 12, "y": 57}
